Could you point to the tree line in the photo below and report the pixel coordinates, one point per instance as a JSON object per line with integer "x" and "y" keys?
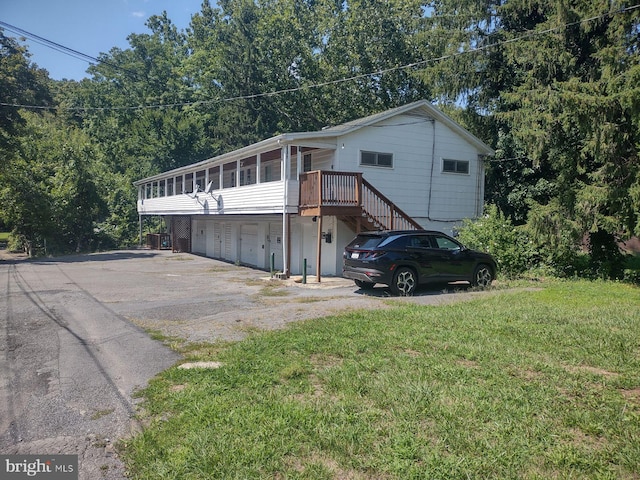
{"x": 553, "y": 86}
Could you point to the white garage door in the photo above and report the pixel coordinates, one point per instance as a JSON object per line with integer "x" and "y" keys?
{"x": 210, "y": 239}
{"x": 217, "y": 240}
{"x": 199, "y": 244}
{"x": 228, "y": 246}
{"x": 249, "y": 244}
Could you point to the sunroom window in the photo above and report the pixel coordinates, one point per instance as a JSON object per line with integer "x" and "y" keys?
{"x": 188, "y": 183}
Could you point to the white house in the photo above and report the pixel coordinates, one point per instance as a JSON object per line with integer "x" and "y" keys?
{"x": 301, "y": 197}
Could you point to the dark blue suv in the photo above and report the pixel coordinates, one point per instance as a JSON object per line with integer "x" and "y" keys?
{"x": 404, "y": 259}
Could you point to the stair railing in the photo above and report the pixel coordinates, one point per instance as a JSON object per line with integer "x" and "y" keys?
{"x": 383, "y": 212}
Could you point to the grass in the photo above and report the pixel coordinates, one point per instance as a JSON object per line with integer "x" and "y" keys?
{"x": 4, "y": 237}
{"x": 528, "y": 384}
{"x": 101, "y": 413}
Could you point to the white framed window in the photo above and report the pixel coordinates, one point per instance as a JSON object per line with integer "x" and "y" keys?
{"x": 200, "y": 176}
{"x": 188, "y": 183}
{"x": 245, "y": 176}
{"x": 376, "y": 159}
{"x": 455, "y": 166}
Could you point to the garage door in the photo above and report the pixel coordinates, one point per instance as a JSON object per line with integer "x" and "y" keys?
{"x": 217, "y": 240}
{"x": 249, "y": 244}
{"x": 210, "y": 239}
{"x": 228, "y": 245}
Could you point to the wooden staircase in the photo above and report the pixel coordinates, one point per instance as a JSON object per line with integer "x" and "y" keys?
{"x": 352, "y": 199}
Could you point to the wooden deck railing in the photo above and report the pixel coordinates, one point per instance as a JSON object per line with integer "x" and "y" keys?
{"x": 329, "y": 192}
{"x": 330, "y": 189}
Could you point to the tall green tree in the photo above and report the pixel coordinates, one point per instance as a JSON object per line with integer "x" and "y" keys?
{"x": 139, "y": 103}
{"x": 370, "y": 42}
{"x": 558, "y": 83}
{"x": 49, "y": 195}
{"x": 21, "y": 83}
{"x": 574, "y": 107}
{"x": 138, "y": 108}
{"x": 238, "y": 56}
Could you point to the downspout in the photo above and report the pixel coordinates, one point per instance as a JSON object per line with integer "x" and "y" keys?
{"x": 140, "y": 199}
{"x": 480, "y": 187}
{"x": 319, "y": 250}
{"x": 433, "y": 161}
{"x": 285, "y": 227}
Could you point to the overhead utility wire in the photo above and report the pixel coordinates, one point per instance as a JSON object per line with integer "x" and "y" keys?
{"x": 527, "y": 34}
{"x": 50, "y": 43}
{"x": 62, "y": 49}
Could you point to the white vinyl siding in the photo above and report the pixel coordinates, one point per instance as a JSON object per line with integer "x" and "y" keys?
{"x": 411, "y": 141}
{"x": 250, "y": 199}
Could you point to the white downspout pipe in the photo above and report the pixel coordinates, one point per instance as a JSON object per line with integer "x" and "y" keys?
{"x": 480, "y": 187}
{"x": 284, "y": 155}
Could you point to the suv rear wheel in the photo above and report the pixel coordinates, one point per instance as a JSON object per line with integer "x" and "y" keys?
{"x": 404, "y": 282}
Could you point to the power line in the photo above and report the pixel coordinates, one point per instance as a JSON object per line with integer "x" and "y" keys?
{"x": 62, "y": 49}
{"x": 49, "y": 43}
{"x": 527, "y": 34}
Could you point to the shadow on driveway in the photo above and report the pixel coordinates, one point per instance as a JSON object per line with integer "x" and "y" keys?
{"x": 383, "y": 291}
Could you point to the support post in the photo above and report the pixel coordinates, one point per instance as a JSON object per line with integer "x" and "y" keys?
{"x": 273, "y": 263}
{"x": 304, "y": 271}
{"x": 288, "y": 240}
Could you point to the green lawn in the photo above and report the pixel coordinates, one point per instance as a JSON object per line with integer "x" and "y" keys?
{"x": 4, "y": 237}
{"x": 535, "y": 383}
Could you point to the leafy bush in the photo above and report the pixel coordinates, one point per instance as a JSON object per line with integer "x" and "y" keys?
{"x": 547, "y": 245}
{"x": 494, "y": 233}
{"x": 631, "y": 273}
{"x": 631, "y": 276}
{"x": 607, "y": 261}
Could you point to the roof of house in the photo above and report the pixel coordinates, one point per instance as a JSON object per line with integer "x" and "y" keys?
{"x": 421, "y": 107}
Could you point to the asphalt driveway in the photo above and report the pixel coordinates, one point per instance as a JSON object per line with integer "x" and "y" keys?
{"x": 74, "y": 348}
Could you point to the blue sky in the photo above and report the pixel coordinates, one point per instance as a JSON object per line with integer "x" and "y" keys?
{"x": 88, "y": 26}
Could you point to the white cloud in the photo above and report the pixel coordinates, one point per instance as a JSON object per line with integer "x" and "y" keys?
{"x": 138, "y": 14}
